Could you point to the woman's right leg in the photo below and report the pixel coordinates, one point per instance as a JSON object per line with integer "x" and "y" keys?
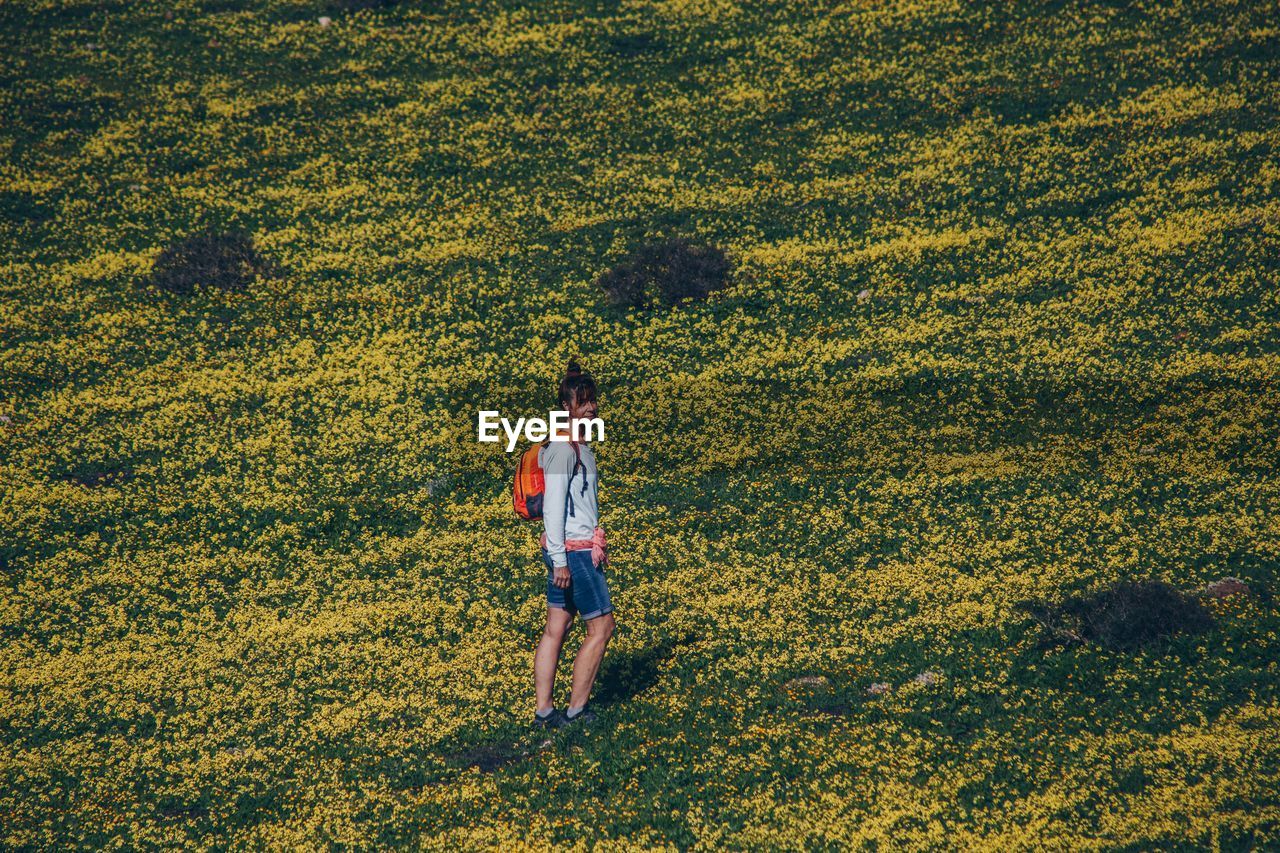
{"x": 592, "y": 599}
{"x": 587, "y": 662}
{"x": 547, "y": 656}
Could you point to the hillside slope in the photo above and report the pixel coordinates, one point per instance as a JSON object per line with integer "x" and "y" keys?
{"x": 1004, "y": 327}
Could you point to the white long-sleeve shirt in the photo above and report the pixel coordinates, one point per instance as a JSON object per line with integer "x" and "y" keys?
{"x": 557, "y": 460}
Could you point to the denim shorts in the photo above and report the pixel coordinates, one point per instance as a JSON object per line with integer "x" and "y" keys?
{"x": 588, "y": 591}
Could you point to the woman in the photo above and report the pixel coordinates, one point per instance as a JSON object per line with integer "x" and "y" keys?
{"x": 573, "y": 548}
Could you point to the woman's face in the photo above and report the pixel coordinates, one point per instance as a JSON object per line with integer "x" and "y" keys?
{"x": 583, "y": 410}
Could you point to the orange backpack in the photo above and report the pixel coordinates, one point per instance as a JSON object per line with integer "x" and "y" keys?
{"x": 530, "y": 483}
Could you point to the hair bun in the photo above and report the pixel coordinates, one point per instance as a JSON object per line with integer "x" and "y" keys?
{"x": 573, "y": 369}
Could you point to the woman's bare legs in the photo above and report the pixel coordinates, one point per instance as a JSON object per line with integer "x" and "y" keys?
{"x": 587, "y": 662}
{"x": 547, "y": 656}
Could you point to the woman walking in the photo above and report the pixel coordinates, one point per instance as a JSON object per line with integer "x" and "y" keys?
{"x": 573, "y": 547}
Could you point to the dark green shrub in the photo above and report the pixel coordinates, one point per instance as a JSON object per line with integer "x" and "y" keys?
{"x": 358, "y": 5}
{"x": 1124, "y": 616}
{"x": 634, "y": 44}
{"x": 673, "y": 271}
{"x": 93, "y": 474}
{"x": 227, "y": 261}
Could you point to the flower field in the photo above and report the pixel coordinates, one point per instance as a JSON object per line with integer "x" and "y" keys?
{"x": 1002, "y": 331}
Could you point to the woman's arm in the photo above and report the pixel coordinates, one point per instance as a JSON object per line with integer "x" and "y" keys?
{"x": 557, "y": 468}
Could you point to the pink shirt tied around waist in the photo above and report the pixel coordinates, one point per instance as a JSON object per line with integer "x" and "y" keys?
{"x": 597, "y": 544}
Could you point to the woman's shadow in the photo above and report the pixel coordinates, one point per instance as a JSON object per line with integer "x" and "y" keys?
{"x": 626, "y": 675}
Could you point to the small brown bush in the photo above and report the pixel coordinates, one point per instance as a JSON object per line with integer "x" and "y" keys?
{"x": 488, "y": 757}
{"x": 1224, "y": 588}
{"x": 1123, "y": 616}
{"x": 227, "y": 261}
{"x": 673, "y": 271}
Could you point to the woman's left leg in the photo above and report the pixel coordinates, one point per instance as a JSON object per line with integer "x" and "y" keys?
{"x": 547, "y": 655}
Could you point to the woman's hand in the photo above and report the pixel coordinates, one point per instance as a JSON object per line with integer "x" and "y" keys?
{"x": 560, "y": 576}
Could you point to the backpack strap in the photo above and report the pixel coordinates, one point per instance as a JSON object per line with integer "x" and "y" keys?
{"x": 576, "y": 465}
